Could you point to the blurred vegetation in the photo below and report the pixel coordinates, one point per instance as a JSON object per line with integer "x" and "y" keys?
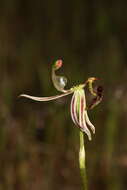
{"x": 38, "y": 141}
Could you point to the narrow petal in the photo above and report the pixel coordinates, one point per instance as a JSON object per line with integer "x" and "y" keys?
{"x": 86, "y": 130}
{"x": 82, "y": 122}
{"x": 73, "y": 109}
{"x": 45, "y": 98}
{"x": 89, "y": 122}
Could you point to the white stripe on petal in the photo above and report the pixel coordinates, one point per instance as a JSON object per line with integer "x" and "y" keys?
{"x": 86, "y": 130}
{"x": 81, "y": 108}
{"x": 82, "y": 122}
{"x": 73, "y": 109}
{"x": 89, "y": 122}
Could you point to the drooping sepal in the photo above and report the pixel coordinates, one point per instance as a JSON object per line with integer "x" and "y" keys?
{"x": 82, "y": 119}
{"x": 79, "y": 112}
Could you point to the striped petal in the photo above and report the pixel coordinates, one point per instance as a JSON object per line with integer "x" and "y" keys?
{"x": 89, "y": 122}
{"x": 82, "y": 121}
{"x": 46, "y": 98}
{"x": 78, "y": 108}
{"x": 73, "y": 109}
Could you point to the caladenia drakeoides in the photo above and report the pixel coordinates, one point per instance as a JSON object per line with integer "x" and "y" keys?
{"x": 78, "y": 107}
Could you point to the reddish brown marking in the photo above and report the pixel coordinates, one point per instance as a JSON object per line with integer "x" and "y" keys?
{"x": 59, "y": 63}
{"x": 98, "y": 98}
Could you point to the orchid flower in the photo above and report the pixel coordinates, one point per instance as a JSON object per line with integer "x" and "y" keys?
{"x": 78, "y": 106}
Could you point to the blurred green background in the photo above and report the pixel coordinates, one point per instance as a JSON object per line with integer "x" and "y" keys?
{"x": 38, "y": 140}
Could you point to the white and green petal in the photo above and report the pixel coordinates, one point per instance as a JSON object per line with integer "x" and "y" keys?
{"x": 89, "y": 122}
{"x": 79, "y": 113}
{"x": 82, "y": 111}
{"x": 74, "y": 115}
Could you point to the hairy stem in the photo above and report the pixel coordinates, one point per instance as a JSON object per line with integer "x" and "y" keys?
{"x": 82, "y": 162}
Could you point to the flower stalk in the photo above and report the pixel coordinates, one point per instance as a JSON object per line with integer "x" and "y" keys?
{"x": 82, "y": 161}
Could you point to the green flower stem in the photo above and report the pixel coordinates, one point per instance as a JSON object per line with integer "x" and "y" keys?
{"x": 82, "y": 161}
